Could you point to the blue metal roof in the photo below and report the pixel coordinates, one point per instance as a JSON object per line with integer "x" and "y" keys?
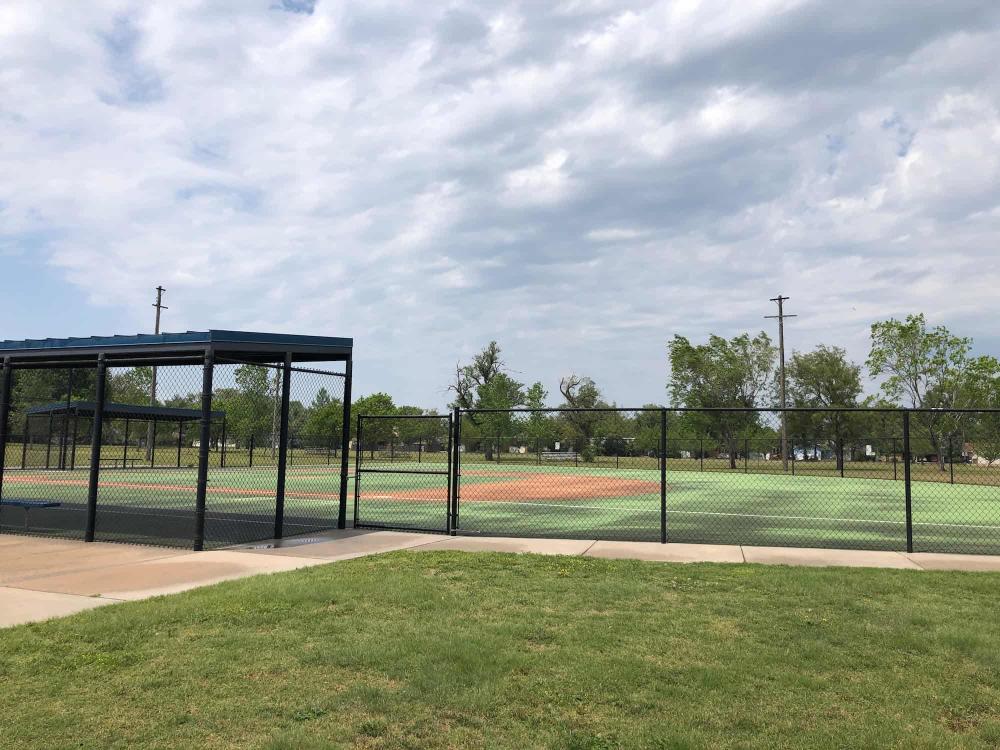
{"x": 189, "y": 346}
{"x": 206, "y": 338}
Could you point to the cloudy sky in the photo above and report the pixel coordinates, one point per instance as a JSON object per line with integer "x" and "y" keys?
{"x": 579, "y": 180}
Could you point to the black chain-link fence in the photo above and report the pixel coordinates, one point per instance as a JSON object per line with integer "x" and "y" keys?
{"x": 136, "y": 478}
{"x": 403, "y": 469}
{"x": 865, "y": 479}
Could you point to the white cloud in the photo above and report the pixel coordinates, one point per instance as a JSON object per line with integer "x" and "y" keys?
{"x": 550, "y": 175}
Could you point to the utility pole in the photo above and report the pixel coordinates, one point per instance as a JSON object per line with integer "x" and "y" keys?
{"x": 151, "y": 427}
{"x": 781, "y": 348}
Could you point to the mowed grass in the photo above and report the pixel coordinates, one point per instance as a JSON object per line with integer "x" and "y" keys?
{"x": 445, "y": 650}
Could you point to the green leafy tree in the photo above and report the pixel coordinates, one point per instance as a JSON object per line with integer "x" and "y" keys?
{"x": 580, "y": 392}
{"x": 738, "y": 372}
{"x": 538, "y": 428}
{"x": 984, "y": 391}
{"x": 825, "y": 378}
{"x": 923, "y": 368}
{"x": 485, "y": 384}
{"x": 376, "y": 432}
{"x": 325, "y": 420}
{"x": 249, "y": 406}
{"x": 131, "y": 386}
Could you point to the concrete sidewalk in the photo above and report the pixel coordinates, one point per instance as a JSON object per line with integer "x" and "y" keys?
{"x": 42, "y": 578}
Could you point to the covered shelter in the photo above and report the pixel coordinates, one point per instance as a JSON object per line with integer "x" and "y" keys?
{"x": 72, "y": 411}
{"x": 174, "y": 512}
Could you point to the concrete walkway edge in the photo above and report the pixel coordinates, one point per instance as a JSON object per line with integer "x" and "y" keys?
{"x": 42, "y": 578}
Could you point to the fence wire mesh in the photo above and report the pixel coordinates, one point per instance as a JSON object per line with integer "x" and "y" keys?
{"x": 560, "y": 474}
{"x": 150, "y": 446}
{"x": 403, "y": 472}
{"x": 877, "y": 479}
{"x": 47, "y": 453}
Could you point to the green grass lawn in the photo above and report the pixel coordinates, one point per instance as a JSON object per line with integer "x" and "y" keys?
{"x": 456, "y": 650}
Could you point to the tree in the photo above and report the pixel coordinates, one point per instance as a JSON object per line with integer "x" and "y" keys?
{"x": 324, "y": 421}
{"x": 376, "y": 431}
{"x": 983, "y": 377}
{"x": 485, "y": 384}
{"x": 538, "y": 427}
{"x": 738, "y": 372}
{"x": 581, "y": 393}
{"x": 825, "y": 378}
{"x": 924, "y": 368}
{"x": 248, "y": 406}
{"x": 131, "y": 386}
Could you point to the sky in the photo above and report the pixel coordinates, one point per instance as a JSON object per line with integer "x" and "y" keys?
{"x": 579, "y": 180}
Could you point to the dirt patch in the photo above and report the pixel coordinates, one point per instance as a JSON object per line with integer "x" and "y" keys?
{"x": 529, "y": 487}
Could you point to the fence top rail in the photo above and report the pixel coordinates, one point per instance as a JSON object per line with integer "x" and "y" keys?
{"x": 224, "y": 360}
{"x": 740, "y": 409}
{"x": 403, "y": 416}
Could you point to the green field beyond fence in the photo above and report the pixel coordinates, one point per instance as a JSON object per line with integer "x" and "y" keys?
{"x": 609, "y": 498}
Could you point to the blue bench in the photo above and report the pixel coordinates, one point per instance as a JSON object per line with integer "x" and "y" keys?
{"x": 28, "y": 505}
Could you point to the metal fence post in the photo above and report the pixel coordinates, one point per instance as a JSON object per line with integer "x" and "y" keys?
{"x": 180, "y": 441}
{"x": 894, "y": 449}
{"x": 451, "y": 432}
{"x": 48, "y": 442}
{"x": 951, "y": 459}
{"x": 279, "y": 495}
{"x": 345, "y": 446}
{"x": 357, "y": 469}
{"x": 72, "y": 449}
{"x": 97, "y": 436}
{"x": 5, "y": 388}
{"x": 663, "y": 476}
{"x": 701, "y": 454}
{"x": 746, "y": 455}
{"x": 151, "y": 448}
{"x": 906, "y": 481}
{"x": 207, "y": 372}
{"x": 222, "y": 449}
{"x": 457, "y": 471}
{"x": 252, "y": 440}
{"x": 125, "y": 447}
{"x": 24, "y": 442}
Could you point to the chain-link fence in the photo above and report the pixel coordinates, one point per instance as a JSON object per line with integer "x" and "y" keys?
{"x": 123, "y": 453}
{"x": 866, "y": 479}
{"x": 403, "y": 469}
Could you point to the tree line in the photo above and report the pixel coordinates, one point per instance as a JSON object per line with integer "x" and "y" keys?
{"x": 916, "y": 366}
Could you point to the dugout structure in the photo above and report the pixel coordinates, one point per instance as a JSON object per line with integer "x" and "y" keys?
{"x": 198, "y": 439}
{"x": 59, "y": 428}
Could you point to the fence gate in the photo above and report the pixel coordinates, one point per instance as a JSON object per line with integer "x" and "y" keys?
{"x": 403, "y": 472}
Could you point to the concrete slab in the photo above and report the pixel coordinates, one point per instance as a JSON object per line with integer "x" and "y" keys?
{"x": 824, "y": 557}
{"x": 942, "y": 561}
{"x": 685, "y": 553}
{"x": 34, "y": 557}
{"x": 505, "y": 544}
{"x": 168, "y": 575}
{"x": 343, "y": 545}
{"x": 18, "y": 606}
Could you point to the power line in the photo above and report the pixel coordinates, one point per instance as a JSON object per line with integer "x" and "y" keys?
{"x": 151, "y": 429}
{"x": 781, "y": 348}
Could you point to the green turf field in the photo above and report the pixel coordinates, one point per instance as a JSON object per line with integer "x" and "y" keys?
{"x": 524, "y": 499}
